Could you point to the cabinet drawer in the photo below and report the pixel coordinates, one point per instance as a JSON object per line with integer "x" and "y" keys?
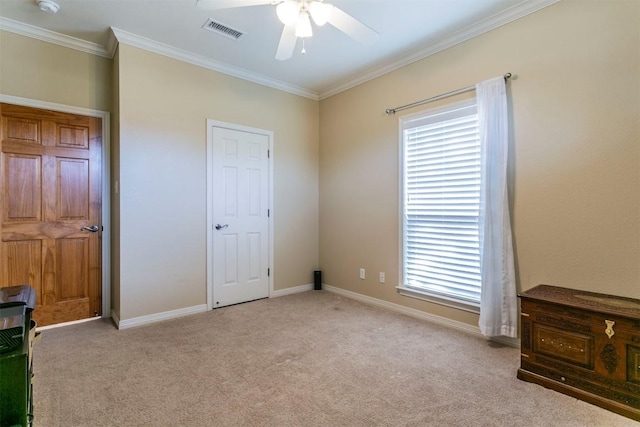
{"x": 564, "y": 345}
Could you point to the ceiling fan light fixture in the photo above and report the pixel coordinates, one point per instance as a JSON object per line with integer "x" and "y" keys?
{"x": 320, "y": 12}
{"x": 288, "y": 12}
{"x": 303, "y": 28}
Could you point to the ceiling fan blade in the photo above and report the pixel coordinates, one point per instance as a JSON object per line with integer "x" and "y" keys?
{"x": 287, "y": 43}
{"x": 351, "y": 26}
{"x": 227, "y": 4}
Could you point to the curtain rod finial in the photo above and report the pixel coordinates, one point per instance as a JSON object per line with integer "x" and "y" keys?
{"x": 507, "y": 76}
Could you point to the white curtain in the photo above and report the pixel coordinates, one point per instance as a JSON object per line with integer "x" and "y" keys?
{"x": 498, "y": 301}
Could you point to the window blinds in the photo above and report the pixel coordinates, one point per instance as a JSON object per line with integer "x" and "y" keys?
{"x": 441, "y": 204}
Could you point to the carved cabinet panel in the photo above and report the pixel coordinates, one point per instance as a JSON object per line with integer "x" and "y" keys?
{"x": 583, "y": 344}
{"x": 633, "y": 364}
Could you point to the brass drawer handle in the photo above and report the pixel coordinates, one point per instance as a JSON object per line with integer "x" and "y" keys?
{"x": 609, "y": 329}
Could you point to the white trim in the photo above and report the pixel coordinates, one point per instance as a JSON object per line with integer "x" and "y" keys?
{"x": 106, "y": 179}
{"x": 158, "y": 317}
{"x": 209, "y": 261}
{"x": 115, "y": 318}
{"x": 291, "y": 291}
{"x": 400, "y": 201}
{"x": 518, "y": 11}
{"x": 464, "y": 327}
{"x": 208, "y": 63}
{"x": 513, "y": 13}
{"x": 36, "y": 103}
{"x": 48, "y": 36}
{"x": 405, "y": 122}
{"x": 436, "y": 299}
{"x": 112, "y": 43}
{"x": 73, "y": 322}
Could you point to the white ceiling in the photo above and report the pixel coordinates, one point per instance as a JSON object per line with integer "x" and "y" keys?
{"x": 409, "y": 30}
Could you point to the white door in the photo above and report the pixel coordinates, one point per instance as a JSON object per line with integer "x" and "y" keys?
{"x": 240, "y": 215}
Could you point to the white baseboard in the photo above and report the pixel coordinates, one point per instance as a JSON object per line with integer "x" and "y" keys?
{"x": 115, "y": 318}
{"x": 510, "y": 342}
{"x": 474, "y": 330}
{"x": 152, "y": 318}
{"x": 73, "y": 322}
{"x": 289, "y": 291}
{"x": 157, "y": 317}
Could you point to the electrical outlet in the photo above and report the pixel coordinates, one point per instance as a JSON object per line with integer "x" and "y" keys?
{"x": 382, "y": 277}
{"x": 362, "y": 273}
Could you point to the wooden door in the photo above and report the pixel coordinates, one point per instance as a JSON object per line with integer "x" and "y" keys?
{"x": 50, "y": 193}
{"x": 240, "y": 216}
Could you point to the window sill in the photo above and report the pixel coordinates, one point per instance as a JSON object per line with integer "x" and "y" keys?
{"x": 436, "y": 299}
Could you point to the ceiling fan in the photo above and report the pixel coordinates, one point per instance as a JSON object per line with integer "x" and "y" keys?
{"x": 295, "y": 14}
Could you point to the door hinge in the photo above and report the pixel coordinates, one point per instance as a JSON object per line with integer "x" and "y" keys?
{"x": 268, "y": 272}
{"x": 268, "y": 213}
{"x": 268, "y": 154}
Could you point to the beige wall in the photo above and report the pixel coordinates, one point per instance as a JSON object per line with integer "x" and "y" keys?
{"x": 115, "y": 177}
{"x": 42, "y": 71}
{"x": 164, "y": 104}
{"x": 575, "y": 153}
{"x": 159, "y": 107}
{"x": 33, "y": 69}
{"x": 575, "y": 156}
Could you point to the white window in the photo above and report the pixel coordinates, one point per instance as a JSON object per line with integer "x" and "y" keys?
{"x": 440, "y": 171}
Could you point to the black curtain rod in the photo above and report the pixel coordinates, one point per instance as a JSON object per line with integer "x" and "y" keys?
{"x": 391, "y": 111}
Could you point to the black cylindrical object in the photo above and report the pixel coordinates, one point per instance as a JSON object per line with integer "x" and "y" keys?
{"x": 317, "y": 280}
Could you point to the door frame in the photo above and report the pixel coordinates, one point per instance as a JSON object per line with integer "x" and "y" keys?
{"x": 232, "y": 126}
{"x": 106, "y": 180}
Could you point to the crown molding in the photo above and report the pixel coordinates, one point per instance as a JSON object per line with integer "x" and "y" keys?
{"x": 119, "y": 36}
{"x": 116, "y": 36}
{"x": 513, "y": 13}
{"x": 202, "y": 61}
{"x": 112, "y": 43}
{"x": 53, "y": 37}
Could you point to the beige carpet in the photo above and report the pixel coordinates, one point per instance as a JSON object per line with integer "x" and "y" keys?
{"x": 310, "y": 359}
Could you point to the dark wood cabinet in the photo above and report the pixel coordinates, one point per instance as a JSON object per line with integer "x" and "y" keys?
{"x": 17, "y": 336}
{"x": 583, "y": 344}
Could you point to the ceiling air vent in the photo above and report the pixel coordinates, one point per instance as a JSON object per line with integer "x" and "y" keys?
{"x": 223, "y": 30}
